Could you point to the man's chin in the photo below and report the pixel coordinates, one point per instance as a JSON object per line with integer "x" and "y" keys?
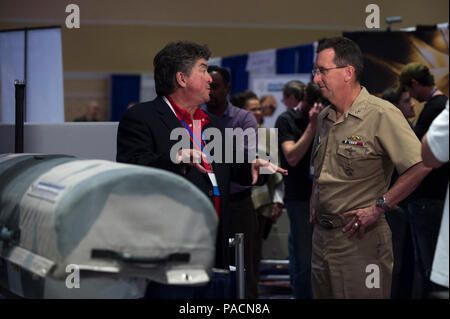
{"x": 324, "y": 92}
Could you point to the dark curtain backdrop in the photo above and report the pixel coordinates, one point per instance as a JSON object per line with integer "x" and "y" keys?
{"x": 239, "y": 76}
{"x": 125, "y": 89}
{"x": 299, "y": 59}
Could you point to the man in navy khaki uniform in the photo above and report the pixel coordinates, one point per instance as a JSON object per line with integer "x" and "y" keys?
{"x": 360, "y": 139}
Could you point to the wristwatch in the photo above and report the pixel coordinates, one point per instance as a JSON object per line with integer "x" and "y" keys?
{"x": 381, "y": 202}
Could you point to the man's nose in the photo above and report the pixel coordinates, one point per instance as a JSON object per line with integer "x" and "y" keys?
{"x": 316, "y": 78}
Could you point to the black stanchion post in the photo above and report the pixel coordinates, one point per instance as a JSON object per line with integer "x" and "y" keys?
{"x": 20, "y": 116}
{"x": 238, "y": 243}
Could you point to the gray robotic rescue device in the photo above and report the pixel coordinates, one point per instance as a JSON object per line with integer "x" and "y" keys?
{"x": 74, "y": 228}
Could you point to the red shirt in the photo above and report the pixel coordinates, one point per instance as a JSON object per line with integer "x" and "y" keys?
{"x": 199, "y": 115}
{"x": 182, "y": 114}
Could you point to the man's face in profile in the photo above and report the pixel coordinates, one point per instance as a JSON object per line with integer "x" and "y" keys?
{"x": 290, "y": 101}
{"x": 405, "y": 105}
{"x": 219, "y": 91}
{"x": 198, "y": 82}
{"x": 253, "y": 106}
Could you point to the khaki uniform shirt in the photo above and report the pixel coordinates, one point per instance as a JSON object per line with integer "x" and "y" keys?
{"x": 354, "y": 156}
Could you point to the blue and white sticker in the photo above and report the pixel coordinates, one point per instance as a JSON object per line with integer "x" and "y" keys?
{"x": 47, "y": 191}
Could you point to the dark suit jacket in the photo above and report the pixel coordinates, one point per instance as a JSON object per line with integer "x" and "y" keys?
{"x": 143, "y": 138}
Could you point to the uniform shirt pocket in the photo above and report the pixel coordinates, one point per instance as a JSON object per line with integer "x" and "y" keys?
{"x": 355, "y": 161}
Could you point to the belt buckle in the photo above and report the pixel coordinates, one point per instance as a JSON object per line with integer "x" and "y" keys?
{"x": 325, "y": 222}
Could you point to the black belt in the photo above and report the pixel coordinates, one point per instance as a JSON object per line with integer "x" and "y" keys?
{"x": 241, "y": 195}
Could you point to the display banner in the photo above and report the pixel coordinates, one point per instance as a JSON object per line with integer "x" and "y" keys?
{"x": 273, "y": 84}
{"x": 386, "y": 53}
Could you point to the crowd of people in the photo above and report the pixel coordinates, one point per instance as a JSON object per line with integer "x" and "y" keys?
{"x": 364, "y": 204}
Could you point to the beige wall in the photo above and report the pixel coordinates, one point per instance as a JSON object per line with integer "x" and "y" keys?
{"x": 131, "y": 49}
{"x": 123, "y": 36}
{"x": 118, "y": 36}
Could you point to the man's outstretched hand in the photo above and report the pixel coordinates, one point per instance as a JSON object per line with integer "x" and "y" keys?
{"x": 193, "y": 158}
{"x": 268, "y": 167}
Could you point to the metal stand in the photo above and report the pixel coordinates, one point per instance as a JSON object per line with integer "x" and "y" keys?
{"x": 238, "y": 243}
{"x": 20, "y": 116}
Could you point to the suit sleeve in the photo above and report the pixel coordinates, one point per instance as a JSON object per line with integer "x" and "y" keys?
{"x": 136, "y": 145}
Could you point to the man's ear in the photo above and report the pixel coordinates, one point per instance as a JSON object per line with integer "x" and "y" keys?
{"x": 228, "y": 88}
{"x": 349, "y": 73}
{"x": 181, "y": 79}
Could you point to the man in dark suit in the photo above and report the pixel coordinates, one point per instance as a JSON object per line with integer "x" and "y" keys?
{"x": 144, "y": 135}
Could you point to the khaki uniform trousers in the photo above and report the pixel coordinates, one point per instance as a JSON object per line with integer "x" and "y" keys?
{"x": 352, "y": 268}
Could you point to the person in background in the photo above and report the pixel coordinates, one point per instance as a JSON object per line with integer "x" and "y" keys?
{"x": 269, "y": 105}
{"x": 92, "y": 113}
{"x": 131, "y": 104}
{"x": 401, "y": 99}
{"x": 296, "y": 129}
{"x": 238, "y": 99}
{"x": 268, "y": 198}
{"x": 398, "y": 219}
{"x": 243, "y": 218}
{"x": 425, "y": 204}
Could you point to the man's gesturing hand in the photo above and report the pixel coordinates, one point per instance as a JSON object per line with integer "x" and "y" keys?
{"x": 193, "y": 158}
{"x": 268, "y": 166}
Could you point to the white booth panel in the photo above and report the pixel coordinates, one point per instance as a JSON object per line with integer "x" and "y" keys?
{"x": 90, "y": 140}
{"x": 43, "y": 76}
{"x": 44, "y": 94}
{"x": 12, "y": 58}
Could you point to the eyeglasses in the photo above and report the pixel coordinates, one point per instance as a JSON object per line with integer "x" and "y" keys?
{"x": 324, "y": 70}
